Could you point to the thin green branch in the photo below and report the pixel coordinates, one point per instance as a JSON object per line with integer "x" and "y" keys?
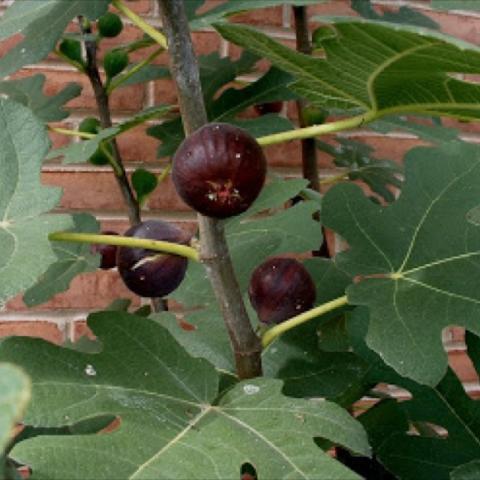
{"x": 159, "y": 37}
{"x": 317, "y": 130}
{"x": 156, "y": 245}
{"x": 270, "y": 335}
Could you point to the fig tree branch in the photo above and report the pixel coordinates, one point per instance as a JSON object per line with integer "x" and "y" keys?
{"x": 214, "y": 250}
{"x": 309, "y": 150}
{"x": 102, "y": 100}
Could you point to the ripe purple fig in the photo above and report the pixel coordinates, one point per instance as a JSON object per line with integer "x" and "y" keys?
{"x": 281, "y": 288}
{"x": 219, "y": 170}
{"x": 150, "y": 273}
{"x": 108, "y": 253}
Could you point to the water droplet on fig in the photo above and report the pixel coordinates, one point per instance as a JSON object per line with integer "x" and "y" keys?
{"x": 251, "y": 389}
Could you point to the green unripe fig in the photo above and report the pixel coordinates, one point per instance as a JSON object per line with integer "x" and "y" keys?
{"x": 71, "y": 49}
{"x": 99, "y": 157}
{"x": 89, "y": 125}
{"x": 115, "y": 62}
{"x": 314, "y": 116}
{"x": 110, "y": 25}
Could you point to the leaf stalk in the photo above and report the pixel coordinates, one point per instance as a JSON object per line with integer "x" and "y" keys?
{"x": 271, "y": 334}
{"x": 156, "y": 245}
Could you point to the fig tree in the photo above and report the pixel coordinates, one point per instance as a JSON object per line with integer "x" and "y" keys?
{"x": 279, "y": 289}
{"x": 115, "y": 62}
{"x": 219, "y": 170}
{"x": 150, "y": 273}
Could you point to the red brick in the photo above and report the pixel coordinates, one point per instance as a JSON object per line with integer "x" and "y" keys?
{"x": 138, "y": 6}
{"x": 165, "y": 91}
{"x": 47, "y": 330}
{"x": 136, "y": 146}
{"x": 264, "y": 16}
{"x": 462, "y": 365}
{"x": 93, "y": 290}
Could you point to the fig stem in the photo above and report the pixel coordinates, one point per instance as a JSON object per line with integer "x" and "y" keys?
{"x": 214, "y": 250}
{"x": 271, "y": 334}
{"x": 72, "y": 133}
{"x": 156, "y": 245}
{"x": 152, "y": 32}
{"x": 317, "y": 130}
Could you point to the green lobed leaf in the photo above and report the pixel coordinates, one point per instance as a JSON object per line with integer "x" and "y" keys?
{"x": 468, "y": 471}
{"x": 445, "y": 405}
{"x": 230, "y": 7}
{"x": 24, "y": 226}
{"x": 29, "y": 92}
{"x": 33, "y": 19}
{"x": 72, "y": 259}
{"x": 456, "y": 4}
{"x": 417, "y": 259}
{"x": 361, "y": 164}
{"x": 404, "y": 14}
{"x": 376, "y": 69}
{"x": 144, "y": 183}
{"x": 14, "y": 396}
{"x": 173, "y": 424}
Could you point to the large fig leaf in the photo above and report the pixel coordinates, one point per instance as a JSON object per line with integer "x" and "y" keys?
{"x": 418, "y": 259}
{"x": 172, "y": 423}
{"x": 376, "y": 69}
{"x": 447, "y": 405}
{"x": 24, "y": 227}
{"x": 41, "y": 23}
{"x": 72, "y": 259}
{"x": 14, "y": 396}
{"x": 29, "y": 92}
{"x": 230, "y": 7}
{"x": 468, "y": 471}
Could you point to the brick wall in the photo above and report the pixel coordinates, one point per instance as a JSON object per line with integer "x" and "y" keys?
{"x": 93, "y": 189}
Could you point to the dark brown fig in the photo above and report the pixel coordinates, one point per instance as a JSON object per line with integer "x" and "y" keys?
{"x": 108, "y": 253}
{"x": 219, "y": 170}
{"x": 150, "y": 273}
{"x": 281, "y": 288}
{"x": 268, "y": 107}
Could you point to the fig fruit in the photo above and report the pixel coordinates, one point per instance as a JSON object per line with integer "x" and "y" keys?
{"x": 279, "y": 289}
{"x": 268, "y": 107}
{"x": 108, "y": 253}
{"x": 109, "y": 25}
{"x": 219, "y": 170}
{"x": 150, "y": 273}
{"x": 89, "y": 125}
{"x": 72, "y": 49}
{"x": 115, "y": 62}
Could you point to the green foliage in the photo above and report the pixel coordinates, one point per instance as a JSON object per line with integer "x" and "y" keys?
{"x": 144, "y": 183}
{"x": 418, "y": 258}
{"x": 24, "y": 226}
{"x": 14, "y": 397}
{"x": 72, "y": 259}
{"x": 446, "y": 405}
{"x": 33, "y": 19}
{"x": 169, "y": 405}
{"x": 29, "y": 92}
{"x": 468, "y": 471}
{"x": 367, "y": 65}
{"x": 360, "y": 164}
